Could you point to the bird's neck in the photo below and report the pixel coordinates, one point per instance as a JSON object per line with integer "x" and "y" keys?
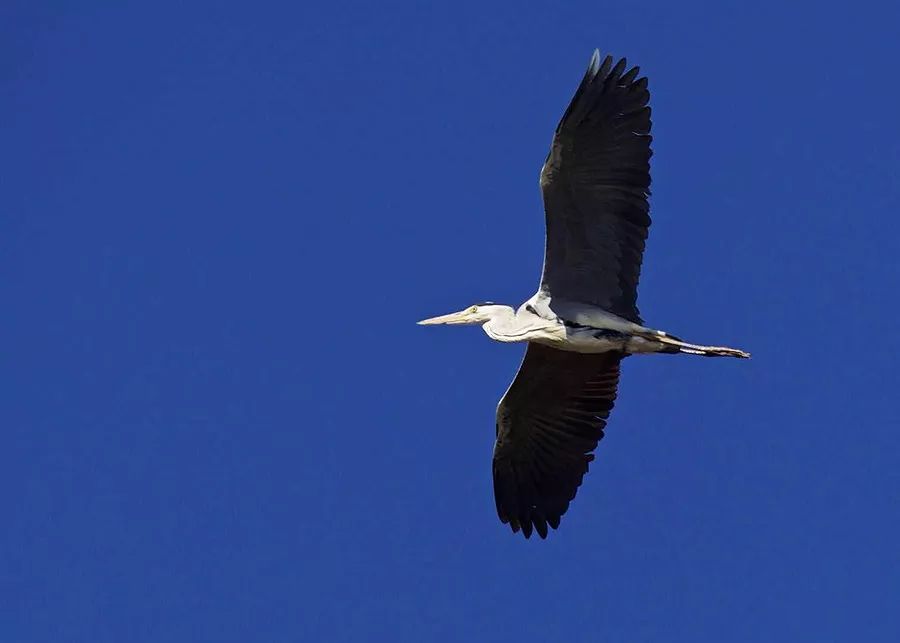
{"x": 504, "y": 326}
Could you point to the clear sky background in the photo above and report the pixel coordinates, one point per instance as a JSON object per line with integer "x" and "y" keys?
{"x": 220, "y": 221}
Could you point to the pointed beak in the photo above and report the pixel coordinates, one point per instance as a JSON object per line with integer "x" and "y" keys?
{"x": 452, "y": 318}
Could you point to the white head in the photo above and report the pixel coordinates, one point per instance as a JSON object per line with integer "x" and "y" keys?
{"x": 476, "y": 314}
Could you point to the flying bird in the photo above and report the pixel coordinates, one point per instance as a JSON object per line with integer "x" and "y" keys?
{"x": 583, "y": 320}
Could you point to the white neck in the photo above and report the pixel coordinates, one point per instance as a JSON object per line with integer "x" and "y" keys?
{"x": 505, "y": 326}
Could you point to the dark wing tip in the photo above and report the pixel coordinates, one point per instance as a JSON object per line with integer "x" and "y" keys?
{"x": 516, "y": 505}
{"x": 630, "y": 75}
{"x": 599, "y": 78}
{"x": 533, "y": 523}
{"x": 618, "y": 69}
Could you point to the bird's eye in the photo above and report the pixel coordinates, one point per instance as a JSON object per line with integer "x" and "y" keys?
{"x": 473, "y": 309}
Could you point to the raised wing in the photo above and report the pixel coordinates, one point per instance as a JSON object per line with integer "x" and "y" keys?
{"x": 595, "y": 183}
{"x": 548, "y": 424}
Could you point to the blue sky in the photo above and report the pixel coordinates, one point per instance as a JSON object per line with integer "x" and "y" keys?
{"x": 219, "y": 222}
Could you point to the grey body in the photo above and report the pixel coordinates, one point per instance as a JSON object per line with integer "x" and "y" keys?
{"x": 572, "y": 326}
{"x": 584, "y": 320}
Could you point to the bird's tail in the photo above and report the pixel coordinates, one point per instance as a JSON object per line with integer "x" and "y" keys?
{"x": 675, "y": 345}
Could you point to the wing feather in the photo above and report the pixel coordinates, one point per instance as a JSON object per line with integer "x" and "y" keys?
{"x": 548, "y": 424}
{"x": 595, "y": 184}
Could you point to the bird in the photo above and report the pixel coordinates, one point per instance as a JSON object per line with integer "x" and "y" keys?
{"x": 583, "y": 320}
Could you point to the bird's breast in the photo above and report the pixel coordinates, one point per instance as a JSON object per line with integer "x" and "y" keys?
{"x": 585, "y": 339}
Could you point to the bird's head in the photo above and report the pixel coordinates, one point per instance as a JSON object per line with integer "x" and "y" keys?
{"x": 475, "y": 314}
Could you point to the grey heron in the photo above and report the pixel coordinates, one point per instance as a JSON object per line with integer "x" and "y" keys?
{"x": 584, "y": 319}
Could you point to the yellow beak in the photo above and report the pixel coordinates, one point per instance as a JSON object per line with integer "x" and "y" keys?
{"x": 452, "y": 318}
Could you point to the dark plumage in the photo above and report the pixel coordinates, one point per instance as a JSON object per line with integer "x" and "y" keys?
{"x": 584, "y": 318}
{"x": 595, "y": 183}
{"x": 547, "y": 428}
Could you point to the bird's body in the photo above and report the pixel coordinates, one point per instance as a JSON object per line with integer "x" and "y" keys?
{"x": 582, "y": 328}
{"x": 584, "y": 319}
